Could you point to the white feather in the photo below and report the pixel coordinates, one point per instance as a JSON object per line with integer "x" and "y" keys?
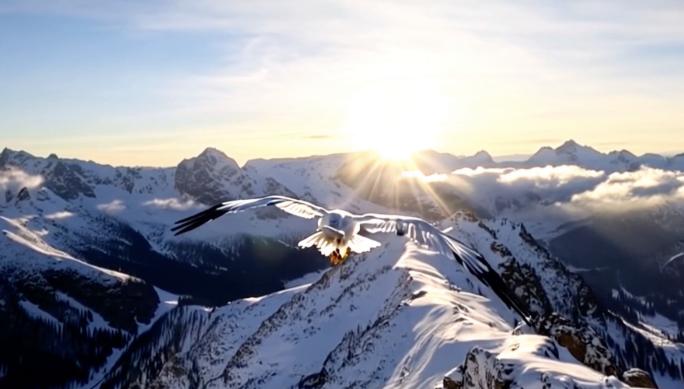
{"x": 361, "y": 244}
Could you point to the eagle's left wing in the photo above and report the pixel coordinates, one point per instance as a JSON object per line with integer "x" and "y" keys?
{"x": 292, "y": 206}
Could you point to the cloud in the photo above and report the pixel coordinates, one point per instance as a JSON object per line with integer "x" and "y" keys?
{"x": 430, "y": 178}
{"x": 171, "y": 203}
{"x": 13, "y": 180}
{"x": 554, "y": 184}
{"x": 113, "y": 207}
{"x": 570, "y": 185}
{"x": 648, "y": 186}
{"x": 59, "y": 215}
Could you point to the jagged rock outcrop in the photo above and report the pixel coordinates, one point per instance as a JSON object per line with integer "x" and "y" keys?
{"x": 213, "y": 177}
{"x": 204, "y": 177}
{"x": 585, "y": 303}
{"x": 583, "y": 343}
{"x": 66, "y": 180}
{"x": 23, "y": 195}
{"x": 524, "y": 282}
{"x": 480, "y": 370}
{"x": 638, "y": 378}
{"x": 70, "y": 179}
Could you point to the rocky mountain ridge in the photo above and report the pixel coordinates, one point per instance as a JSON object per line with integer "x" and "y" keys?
{"x": 97, "y": 214}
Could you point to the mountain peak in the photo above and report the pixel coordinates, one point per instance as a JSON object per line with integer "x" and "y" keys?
{"x": 481, "y": 158}
{"x": 9, "y": 154}
{"x": 214, "y": 157}
{"x": 570, "y": 146}
{"x": 575, "y": 152}
{"x": 213, "y": 151}
{"x": 570, "y": 143}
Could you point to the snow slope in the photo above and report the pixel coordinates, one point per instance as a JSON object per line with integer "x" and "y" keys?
{"x": 399, "y": 317}
{"x": 395, "y": 318}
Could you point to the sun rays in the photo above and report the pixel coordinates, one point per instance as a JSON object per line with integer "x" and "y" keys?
{"x": 396, "y": 119}
{"x": 398, "y": 184}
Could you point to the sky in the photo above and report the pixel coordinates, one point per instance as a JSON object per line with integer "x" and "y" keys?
{"x": 150, "y": 82}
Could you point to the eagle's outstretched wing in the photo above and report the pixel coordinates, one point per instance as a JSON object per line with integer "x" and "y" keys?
{"x": 293, "y": 206}
{"x": 424, "y": 233}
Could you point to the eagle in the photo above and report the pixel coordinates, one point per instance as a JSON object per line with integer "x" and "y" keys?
{"x": 338, "y": 235}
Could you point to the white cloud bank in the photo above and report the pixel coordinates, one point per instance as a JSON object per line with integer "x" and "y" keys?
{"x": 170, "y": 203}
{"x": 113, "y": 207}
{"x": 13, "y": 180}
{"x": 650, "y": 185}
{"x": 573, "y": 185}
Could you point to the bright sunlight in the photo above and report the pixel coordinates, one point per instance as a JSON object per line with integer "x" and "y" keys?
{"x": 396, "y": 119}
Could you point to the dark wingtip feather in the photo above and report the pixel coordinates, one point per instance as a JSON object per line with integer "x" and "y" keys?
{"x": 198, "y": 219}
{"x": 199, "y": 214}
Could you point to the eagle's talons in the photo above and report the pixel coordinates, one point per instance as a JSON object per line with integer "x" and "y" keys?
{"x": 337, "y": 259}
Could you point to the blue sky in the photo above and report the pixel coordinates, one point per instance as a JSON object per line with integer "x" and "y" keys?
{"x": 152, "y": 82}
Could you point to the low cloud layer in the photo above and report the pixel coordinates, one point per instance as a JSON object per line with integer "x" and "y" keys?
{"x": 571, "y": 185}
{"x": 650, "y": 185}
{"x": 13, "y": 180}
{"x": 170, "y": 203}
{"x": 112, "y": 208}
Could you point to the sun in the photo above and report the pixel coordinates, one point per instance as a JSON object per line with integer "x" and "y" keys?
{"x": 396, "y": 119}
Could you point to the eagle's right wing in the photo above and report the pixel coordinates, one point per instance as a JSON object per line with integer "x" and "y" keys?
{"x": 425, "y": 233}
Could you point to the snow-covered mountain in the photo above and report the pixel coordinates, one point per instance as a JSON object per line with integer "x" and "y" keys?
{"x": 398, "y": 317}
{"x": 568, "y": 153}
{"x": 75, "y": 231}
{"x": 615, "y": 216}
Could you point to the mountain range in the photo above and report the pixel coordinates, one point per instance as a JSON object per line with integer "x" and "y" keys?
{"x": 570, "y": 152}
{"x": 97, "y": 292}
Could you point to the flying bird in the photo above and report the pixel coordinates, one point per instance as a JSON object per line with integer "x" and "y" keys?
{"x": 338, "y": 234}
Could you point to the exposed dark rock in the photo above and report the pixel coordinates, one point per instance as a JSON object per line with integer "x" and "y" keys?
{"x": 449, "y": 383}
{"x": 524, "y": 282}
{"x": 314, "y": 381}
{"x": 23, "y": 195}
{"x": 213, "y": 177}
{"x": 66, "y": 182}
{"x": 583, "y": 343}
{"x": 480, "y": 370}
{"x": 638, "y": 379}
{"x": 204, "y": 177}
